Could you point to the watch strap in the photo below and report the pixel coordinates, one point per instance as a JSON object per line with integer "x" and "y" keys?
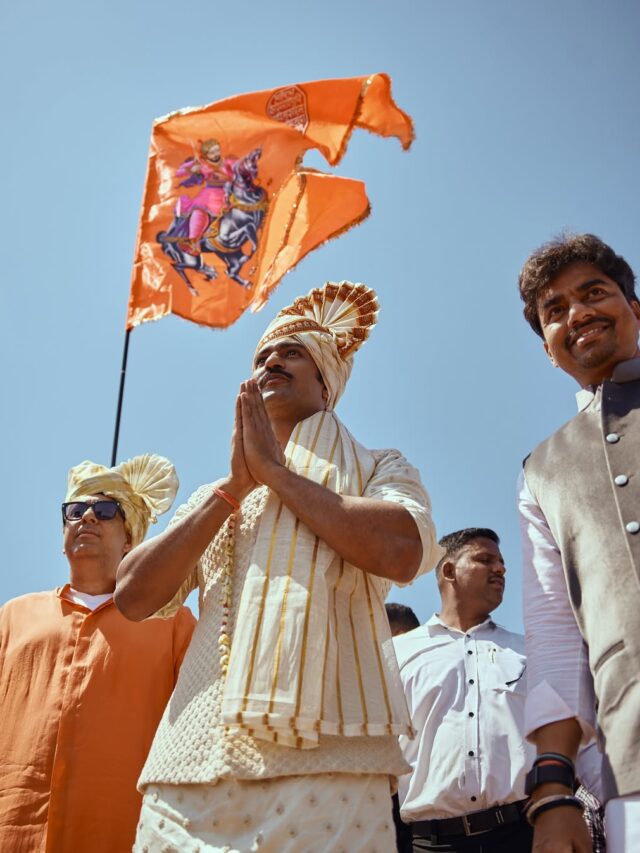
{"x": 543, "y": 773}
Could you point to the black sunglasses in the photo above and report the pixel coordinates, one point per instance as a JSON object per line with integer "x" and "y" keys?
{"x": 103, "y": 510}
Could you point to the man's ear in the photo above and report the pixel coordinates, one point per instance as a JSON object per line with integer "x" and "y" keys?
{"x": 549, "y": 355}
{"x": 448, "y": 571}
{"x": 325, "y": 394}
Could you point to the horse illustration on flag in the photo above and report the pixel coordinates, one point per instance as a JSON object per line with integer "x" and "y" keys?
{"x": 222, "y": 217}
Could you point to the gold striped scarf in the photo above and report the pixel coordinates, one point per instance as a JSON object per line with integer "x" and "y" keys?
{"x": 308, "y": 655}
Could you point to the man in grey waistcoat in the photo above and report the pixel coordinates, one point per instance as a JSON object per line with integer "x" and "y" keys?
{"x": 579, "y": 500}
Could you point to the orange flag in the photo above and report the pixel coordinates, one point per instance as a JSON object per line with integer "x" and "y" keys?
{"x": 228, "y": 209}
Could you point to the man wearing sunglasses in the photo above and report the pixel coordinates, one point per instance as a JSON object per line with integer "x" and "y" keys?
{"x": 82, "y": 688}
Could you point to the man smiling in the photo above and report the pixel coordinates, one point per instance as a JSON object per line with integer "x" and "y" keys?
{"x": 82, "y": 688}
{"x": 580, "y": 511}
{"x": 282, "y": 732}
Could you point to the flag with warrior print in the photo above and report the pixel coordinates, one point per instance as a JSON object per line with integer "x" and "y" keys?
{"x": 228, "y": 207}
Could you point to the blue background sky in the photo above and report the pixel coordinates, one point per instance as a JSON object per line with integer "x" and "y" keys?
{"x": 527, "y": 122}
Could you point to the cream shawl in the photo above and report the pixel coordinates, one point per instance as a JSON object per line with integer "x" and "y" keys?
{"x": 301, "y": 607}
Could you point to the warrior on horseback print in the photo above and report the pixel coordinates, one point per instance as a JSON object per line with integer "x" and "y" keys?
{"x": 222, "y": 216}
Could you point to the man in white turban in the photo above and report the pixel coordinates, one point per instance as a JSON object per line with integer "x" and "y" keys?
{"x": 282, "y": 732}
{"x": 83, "y": 688}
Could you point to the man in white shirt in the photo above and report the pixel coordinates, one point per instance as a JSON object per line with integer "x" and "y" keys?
{"x": 463, "y": 679}
{"x": 579, "y": 504}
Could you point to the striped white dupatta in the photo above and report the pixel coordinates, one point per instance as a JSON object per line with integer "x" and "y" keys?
{"x": 306, "y": 655}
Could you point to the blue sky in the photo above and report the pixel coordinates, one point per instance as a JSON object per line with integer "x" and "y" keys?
{"x": 527, "y": 123}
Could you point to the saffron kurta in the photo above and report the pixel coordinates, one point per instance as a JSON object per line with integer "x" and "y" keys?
{"x": 81, "y": 694}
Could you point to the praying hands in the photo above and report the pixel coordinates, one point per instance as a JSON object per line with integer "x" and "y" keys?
{"x": 255, "y": 452}
{"x": 262, "y": 453}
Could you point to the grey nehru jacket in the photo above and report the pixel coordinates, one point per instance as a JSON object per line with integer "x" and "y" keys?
{"x": 586, "y": 480}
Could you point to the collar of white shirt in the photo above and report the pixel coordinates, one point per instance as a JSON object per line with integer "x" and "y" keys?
{"x": 435, "y": 625}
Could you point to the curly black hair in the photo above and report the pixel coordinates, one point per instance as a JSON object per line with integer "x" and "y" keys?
{"x": 550, "y": 259}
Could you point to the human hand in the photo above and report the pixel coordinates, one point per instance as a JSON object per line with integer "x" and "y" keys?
{"x": 239, "y": 482}
{"x": 561, "y": 830}
{"x": 262, "y": 453}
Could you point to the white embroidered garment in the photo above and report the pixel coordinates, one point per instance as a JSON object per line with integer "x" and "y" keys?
{"x": 278, "y": 688}
{"x": 335, "y": 812}
{"x": 192, "y": 745}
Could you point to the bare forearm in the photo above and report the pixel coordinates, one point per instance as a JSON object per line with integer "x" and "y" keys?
{"x": 151, "y": 574}
{"x": 379, "y": 537}
{"x": 561, "y": 829}
{"x": 562, "y": 737}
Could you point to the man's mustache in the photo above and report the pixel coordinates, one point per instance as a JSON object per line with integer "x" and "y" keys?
{"x": 273, "y": 371}
{"x": 574, "y": 334}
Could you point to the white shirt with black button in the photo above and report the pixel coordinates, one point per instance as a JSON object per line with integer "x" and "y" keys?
{"x": 466, "y": 694}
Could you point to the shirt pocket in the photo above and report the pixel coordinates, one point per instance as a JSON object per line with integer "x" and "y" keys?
{"x": 506, "y": 670}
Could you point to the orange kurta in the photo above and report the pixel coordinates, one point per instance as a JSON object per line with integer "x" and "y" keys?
{"x": 81, "y": 694}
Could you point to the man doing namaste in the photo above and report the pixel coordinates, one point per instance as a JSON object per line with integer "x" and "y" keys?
{"x": 282, "y": 732}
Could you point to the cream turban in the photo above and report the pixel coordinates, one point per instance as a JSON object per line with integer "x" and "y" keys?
{"x": 331, "y": 322}
{"x": 144, "y": 486}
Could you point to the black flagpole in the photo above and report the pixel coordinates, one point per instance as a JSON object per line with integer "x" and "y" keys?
{"x": 123, "y": 373}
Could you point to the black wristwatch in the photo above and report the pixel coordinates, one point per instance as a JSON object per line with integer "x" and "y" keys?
{"x": 541, "y": 773}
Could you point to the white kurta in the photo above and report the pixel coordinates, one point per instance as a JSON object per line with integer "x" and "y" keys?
{"x": 197, "y": 764}
{"x": 192, "y": 745}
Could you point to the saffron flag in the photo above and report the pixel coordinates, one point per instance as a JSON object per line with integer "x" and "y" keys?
{"x": 228, "y": 208}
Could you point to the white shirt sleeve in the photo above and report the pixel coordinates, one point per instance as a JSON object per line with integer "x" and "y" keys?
{"x": 559, "y": 681}
{"x": 396, "y": 480}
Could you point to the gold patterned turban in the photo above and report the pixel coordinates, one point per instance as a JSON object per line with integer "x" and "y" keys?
{"x": 144, "y": 486}
{"x": 331, "y": 322}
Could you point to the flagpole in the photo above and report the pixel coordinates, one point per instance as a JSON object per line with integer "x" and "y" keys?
{"x": 123, "y": 373}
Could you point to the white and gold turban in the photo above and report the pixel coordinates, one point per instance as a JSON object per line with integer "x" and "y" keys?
{"x": 331, "y": 322}
{"x": 144, "y": 486}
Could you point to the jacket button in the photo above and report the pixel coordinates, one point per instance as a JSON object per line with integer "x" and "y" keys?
{"x": 632, "y": 527}
{"x": 613, "y": 437}
{"x": 621, "y": 480}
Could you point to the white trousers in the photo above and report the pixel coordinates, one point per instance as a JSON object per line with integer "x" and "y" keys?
{"x": 622, "y": 823}
{"x": 337, "y": 812}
